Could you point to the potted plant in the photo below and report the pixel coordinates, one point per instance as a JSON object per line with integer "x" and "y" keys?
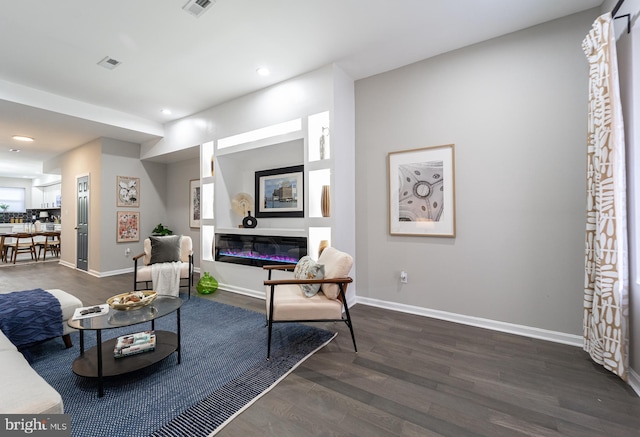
{"x": 161, "y": 230}
{"x": 4, "y": 207}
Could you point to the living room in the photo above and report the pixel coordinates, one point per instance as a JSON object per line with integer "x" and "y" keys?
{"x": 515, "y": 108}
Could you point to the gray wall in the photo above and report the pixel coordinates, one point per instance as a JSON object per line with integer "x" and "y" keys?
{"x": 629, "y": 61}
{"x": 515, "y": 108}
{"x": 163, "y": 199}
{"x": 120, "y": 158}
{"x": 178, "y": 176}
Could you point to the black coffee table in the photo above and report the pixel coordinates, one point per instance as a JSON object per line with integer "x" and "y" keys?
{"x": 99, "y": 362}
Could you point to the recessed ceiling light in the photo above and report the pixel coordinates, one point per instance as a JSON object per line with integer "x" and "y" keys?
{"x": 263, "y": 71}
{"x": 22, "y": 138}
{"x": 166, "y": 111}
{"x": 14, "y": 150}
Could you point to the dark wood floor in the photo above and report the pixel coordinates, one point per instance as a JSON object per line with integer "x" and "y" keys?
{"x": 412, "y": 376}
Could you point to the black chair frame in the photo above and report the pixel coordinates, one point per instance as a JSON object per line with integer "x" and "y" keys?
{"x": 342, "y": 284}
{"x": 189, "y": 280}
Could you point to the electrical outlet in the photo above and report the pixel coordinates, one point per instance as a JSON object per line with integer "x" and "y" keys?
{"x": 127, "y": 251}
{"x": 403, "y": 277}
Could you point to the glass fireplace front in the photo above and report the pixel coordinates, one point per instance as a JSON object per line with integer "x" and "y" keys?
{"x": 259, "y": 250}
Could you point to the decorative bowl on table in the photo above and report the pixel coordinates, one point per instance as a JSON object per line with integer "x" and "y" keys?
{"x": 132, "y": 300}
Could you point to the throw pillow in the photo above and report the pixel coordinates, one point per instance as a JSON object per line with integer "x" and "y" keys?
{"x": 336, "y": 265}
{"x": 307, "y": 268}
{"x": 165, "y": 249}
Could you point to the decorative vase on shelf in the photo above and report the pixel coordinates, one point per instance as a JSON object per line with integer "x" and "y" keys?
{"x": 322, "y": 246}
{"x": 249, "y": 221}
{"x": 325, "y": 201}
{"x": 323, "y": 139}
{"x": 207, "y": 284}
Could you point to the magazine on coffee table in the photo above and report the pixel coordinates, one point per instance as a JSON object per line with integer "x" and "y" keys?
{"x": 90, "y": 311}
{"x": 132, "y": 344}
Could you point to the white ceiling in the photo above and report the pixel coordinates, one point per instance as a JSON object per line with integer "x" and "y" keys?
{"x": 52, "y": 89}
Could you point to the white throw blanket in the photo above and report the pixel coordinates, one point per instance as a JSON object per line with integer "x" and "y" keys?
{"x": 166, "y": 278}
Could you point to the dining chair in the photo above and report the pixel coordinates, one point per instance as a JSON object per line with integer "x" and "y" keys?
{"x": 23, "y": 243}
{"x": 5, "y": 240}
{"x": 50, "y": 243}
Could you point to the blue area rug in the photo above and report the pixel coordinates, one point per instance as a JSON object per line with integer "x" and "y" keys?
{"x": 223, "y": 369}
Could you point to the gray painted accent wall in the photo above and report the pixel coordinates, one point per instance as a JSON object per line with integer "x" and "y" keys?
{"x": 628, "y": 48}
{"x": 515, "y": 107}
{"x": 178, "y": 176}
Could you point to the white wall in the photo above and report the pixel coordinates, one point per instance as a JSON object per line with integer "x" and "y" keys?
{"x": 317, "y": 91}
{"x": 515, "y": 108}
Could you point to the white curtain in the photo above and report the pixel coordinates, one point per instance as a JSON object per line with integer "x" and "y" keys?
{"x": 605, "y": 322}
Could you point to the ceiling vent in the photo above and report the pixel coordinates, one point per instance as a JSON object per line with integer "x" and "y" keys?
{"x": 198, "y": 7}
{"x": 109, "y": 63}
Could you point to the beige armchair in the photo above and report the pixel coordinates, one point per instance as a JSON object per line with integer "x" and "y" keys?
{"x": 177, "y": 248}
{"x": 299, "y": 300}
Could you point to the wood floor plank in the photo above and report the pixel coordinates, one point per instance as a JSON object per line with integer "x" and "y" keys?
{"x": 412, "y": 376}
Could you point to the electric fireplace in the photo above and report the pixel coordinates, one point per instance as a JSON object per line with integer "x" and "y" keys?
{"x": 259, "y": 250}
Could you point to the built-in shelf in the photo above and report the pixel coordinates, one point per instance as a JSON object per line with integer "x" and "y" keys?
{"x": 228, "y": 171}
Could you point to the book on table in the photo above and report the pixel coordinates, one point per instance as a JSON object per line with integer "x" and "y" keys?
{"x": 136, "y": 343}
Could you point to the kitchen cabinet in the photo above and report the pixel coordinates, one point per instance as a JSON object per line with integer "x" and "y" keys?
{"x": 46, "y": 197}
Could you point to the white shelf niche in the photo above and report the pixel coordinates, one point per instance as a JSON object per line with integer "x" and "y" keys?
{"x": 319, "y": 137}
{"x": 316, "y": 236}
{"x": 207, "y": 160}
{"x": 207, "y": 200}
{"x": 208, "y": 234}
{"x": 318, "y": 179}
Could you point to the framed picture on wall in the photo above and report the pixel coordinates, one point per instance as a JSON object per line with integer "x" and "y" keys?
{"x": 128, "y": 226}
{"x": 422, "y": 192}
{"x": 194, "y": 203}
{"x": 280, "y": 192}
{"x": 127, "y": 191}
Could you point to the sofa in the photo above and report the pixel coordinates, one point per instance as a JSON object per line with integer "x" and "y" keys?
{"x": 22, "y": 390}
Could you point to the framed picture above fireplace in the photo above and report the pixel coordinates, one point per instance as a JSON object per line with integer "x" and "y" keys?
{"x": 280, "y": 192}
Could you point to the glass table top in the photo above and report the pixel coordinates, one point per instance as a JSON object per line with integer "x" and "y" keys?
{"x": 162, "y": 306}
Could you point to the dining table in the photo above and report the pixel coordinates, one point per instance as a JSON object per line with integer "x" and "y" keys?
{"x": 5, "y": 245}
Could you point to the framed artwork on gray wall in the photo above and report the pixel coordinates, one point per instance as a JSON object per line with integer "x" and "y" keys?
{"x": 194, "y": 203}
{"x": 422, "y": 192}
{"x": 128, "y": 226}
{"x": 127, "y": 191}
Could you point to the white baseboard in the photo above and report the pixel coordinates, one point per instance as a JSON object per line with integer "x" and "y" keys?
{"x": 526, "y": 331}
{"x": 67, "y": 264}
{"x": 73, "y": 266}
{"x": 110, "y": 272}
{"x": 240, "y": 290}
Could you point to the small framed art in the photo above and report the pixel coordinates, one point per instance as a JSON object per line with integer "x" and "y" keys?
{"x": 194, "y": 203}
{"x": 280, "y": 192}
{"x": 128, "y": 226}
{"x": 127, "y": 191}
{"x": 422, "y": 192}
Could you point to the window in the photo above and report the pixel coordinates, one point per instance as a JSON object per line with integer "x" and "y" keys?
{"x": 14, "y": 197}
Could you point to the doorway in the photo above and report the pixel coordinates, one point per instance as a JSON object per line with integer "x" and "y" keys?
{"x": 82, "y": 227}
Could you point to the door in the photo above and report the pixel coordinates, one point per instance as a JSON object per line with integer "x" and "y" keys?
{"x": 82, "y": 228}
